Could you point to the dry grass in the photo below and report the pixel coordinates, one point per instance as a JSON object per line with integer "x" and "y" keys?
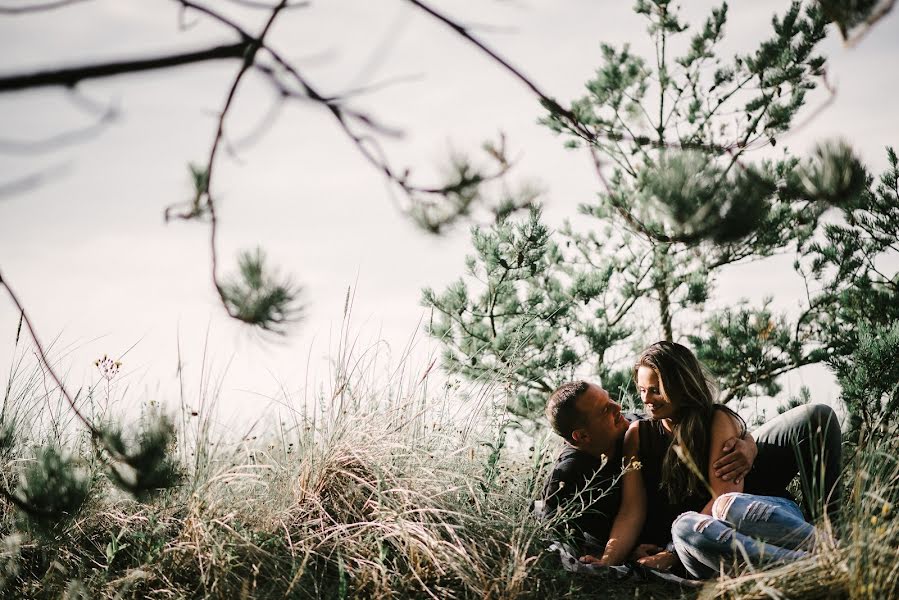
{"x": 381, "y": 491}
{"x": 374, "y": 491}
{"x": 367, "y": 515}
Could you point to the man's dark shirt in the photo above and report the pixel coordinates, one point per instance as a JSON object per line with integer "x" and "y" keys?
{"x": 576, "y": 482}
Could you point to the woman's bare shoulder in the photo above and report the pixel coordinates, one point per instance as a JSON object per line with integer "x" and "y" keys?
{"x": 632, "y": 438}
{"x": 726, "y": 421}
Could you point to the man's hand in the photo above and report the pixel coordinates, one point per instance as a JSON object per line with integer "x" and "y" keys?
{"x": 589, "y": 559}
{"x": 662, "y": 561}
{"x": 739, "y": 454}
{"x": 644, "y": 550}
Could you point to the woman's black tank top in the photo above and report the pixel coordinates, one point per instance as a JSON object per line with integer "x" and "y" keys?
{"x": 660, "y": 511}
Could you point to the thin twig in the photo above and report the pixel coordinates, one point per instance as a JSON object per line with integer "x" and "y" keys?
{"x": 95, "y": 433}
{"x": 249, "y": 57}
{"x": 33, "y": 8}
{"x": 266, "y": 6}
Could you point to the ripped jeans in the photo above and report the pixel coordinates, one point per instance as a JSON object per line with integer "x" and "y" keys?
{"x": 743, "y": 527}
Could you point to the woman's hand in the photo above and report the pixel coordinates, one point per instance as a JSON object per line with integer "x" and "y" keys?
{"x": 737, "y": 459}
{"x": 662, "y": 561}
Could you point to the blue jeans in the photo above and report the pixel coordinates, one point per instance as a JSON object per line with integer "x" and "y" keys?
{"x": 743, "y": 527}
{"x": 805, "y": 441}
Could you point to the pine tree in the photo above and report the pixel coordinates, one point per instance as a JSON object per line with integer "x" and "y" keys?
{"x": 682, "y": 203}
{"x": 854, "y": 263}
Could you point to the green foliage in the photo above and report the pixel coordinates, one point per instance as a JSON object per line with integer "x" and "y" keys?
{"x": 851, "y": 263}
{"x": 493, "y": 462}
{"x": 869, "y": 380}
{"x": 833, "y": 175}
{"x": 747, "y": 349}
{"x": 434, "y": 210}
{"x": 804, "y": 397}
{"x": 522, "y": 326}
{"x": 7, "y": 440}
{"x": 682, "y": 202}
{"x": 52, "y": 488}
{"x": 699, "y": 198}
{"x": 143, "y": 464}
{"x": 847, "y": 14}
{"x": 456, "y": 201}
{"x": 197, "y": 206}
{"x": 256, "y": 297}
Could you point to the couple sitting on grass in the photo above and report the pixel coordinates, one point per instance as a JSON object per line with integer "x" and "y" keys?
{"x": 688, "y": 490}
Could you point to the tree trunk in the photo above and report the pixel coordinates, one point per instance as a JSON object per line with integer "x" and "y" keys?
{"x": 662, "y": 280}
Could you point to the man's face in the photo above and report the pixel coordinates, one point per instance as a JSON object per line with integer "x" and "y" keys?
{"x": 603, "y": 423}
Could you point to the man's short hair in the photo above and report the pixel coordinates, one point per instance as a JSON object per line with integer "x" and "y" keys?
{"x": 561, "y": 410}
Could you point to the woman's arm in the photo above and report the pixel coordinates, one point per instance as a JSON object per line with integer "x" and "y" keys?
{"x": 632, "y": 512}
{"x": 724, "y": 426}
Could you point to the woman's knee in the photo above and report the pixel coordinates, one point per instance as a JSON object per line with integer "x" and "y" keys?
{"x": 723, "y": 504}
{"x": 688, "y": 525}
{"x": 698, "y": 535}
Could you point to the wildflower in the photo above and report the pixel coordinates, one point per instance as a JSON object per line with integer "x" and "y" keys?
{"x": 887, "y": 507}
{"x": 874, "y": 520}
{"x": 109, "y": 368}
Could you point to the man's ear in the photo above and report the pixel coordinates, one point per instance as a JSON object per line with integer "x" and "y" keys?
{"x": 579, "y": 436}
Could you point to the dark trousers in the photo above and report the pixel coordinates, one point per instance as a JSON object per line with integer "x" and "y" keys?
{"x": 805, "y": 441}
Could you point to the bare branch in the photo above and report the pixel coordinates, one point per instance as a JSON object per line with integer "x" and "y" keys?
{"x": 549, "y": 102}
{"x": 266, "y": 6}
{"x": 54, "y": 142}
{"x": 95, "y": 433}
{"x": 27, "y": 182}
{"x": 33, "y": 8}
{"x": 249, "y": 57}
{"x": 71, "y": 76}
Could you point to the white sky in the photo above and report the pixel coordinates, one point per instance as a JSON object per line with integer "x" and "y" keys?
{"x": 89, "y": 255}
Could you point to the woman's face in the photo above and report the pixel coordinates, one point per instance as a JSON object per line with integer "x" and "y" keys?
{"x": 657, "y": 405}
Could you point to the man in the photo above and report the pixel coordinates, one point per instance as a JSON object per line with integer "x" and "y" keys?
{"x": 583, "y": 479}
{"x": 804, "y": 441}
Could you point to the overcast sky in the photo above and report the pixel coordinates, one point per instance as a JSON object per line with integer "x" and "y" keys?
{"x": 90, "y": 257}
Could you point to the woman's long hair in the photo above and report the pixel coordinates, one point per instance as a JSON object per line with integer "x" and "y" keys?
{"x": 686, "y": 384}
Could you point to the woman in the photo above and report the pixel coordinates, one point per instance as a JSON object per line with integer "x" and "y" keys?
{"x": 675, "y": 484}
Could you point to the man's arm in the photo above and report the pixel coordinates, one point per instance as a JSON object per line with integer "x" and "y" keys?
{"x": 737, "y": 457}
{"x": 724, "y": 428}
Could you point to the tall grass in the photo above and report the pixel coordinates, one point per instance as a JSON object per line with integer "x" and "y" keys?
{"x": 383, "y": 484}
{"x": 376, "y": 486}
